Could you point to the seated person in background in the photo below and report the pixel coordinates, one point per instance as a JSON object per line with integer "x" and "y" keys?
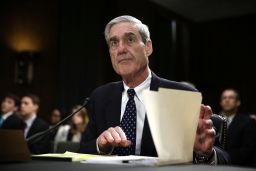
{"x": 28, "y": 111}
{"x": 55, "y": 117}
{"x": 115, "y": 106}
{"x": 253, "y": 116}
{"x": 73, "y": 131}
{"x": 241, "y": 133}
{"x": 8, "y": 117}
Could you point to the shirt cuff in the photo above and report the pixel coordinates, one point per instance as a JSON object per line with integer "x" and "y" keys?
{"x": 111, "y": 149}
{"x": 212, "y": 161}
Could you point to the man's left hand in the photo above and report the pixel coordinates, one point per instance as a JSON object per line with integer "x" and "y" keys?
{"x": 205, "y": 135}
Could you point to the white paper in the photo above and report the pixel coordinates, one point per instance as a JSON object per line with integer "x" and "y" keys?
{"x": 122, "y": 160}
{"x": 173, "y": 117}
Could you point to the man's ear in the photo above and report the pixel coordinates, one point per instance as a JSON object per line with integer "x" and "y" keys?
{"x": 15, "y": 109}
{"x": 149, "y": 47}
{"x": 36, "y": 107}
{"x": 238, "y": 103}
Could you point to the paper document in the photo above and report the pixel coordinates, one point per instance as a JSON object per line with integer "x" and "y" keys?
{"x": 97, "y": 159}
{"x": 131, "y": 160}
{"x": 68, "y": 156}
{"x": 173, "y": 117}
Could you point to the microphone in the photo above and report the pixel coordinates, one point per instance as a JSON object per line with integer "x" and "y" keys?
{"x": 38, "y": 136}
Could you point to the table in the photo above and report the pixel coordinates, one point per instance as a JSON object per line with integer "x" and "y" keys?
{"x": 76, "y": 166}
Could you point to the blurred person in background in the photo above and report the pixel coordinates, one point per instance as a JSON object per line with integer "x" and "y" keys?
{"x": 253, "y": 116}
{"x": 241, "y": 133}
{"x": 28, "y": 111}
{"x": 8, "y": 117}
{"x": 73, "y": 131}
{"x": 55, "y": 117}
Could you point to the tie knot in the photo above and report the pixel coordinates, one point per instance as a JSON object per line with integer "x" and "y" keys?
{"x": 130, "y": 93}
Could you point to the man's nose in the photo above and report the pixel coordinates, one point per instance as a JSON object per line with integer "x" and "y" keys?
{"x": 121, "y": 47}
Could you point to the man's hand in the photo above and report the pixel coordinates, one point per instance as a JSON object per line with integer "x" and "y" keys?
{"x": 112, "y": 137}
{"x": 205, "y": 135}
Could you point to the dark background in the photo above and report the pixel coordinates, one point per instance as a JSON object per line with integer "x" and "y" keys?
{"x": 209, "y": 44}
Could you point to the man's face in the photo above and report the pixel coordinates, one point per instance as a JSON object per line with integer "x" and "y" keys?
{"x": 229, "y": 101}
{"x": 129, "y": 55}
{"x": 8, "y": 105}
{"x": 55, "y": 116}
{"x": 27, "y": 107}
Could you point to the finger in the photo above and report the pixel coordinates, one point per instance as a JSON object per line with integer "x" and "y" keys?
{"x": 102, "y": 140}
{"x": 200, "y": 125}
{"x": 108, "y": 136}
{"x": 115, "y": 135}
{"x": 124, "y": 142}
{"x": 121, "y": 133}
{"x": 210, "y": 133}
{"x": 208, "y": 112}
{"x": 207, "y": 123}
{"x": 202, "y": 110}
{"x": 209, "y": 142}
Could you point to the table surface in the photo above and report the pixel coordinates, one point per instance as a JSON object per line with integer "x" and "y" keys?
{"x": 76, "y": 166}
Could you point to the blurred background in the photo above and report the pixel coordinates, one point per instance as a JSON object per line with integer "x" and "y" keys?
{"x": 56, "y": 48}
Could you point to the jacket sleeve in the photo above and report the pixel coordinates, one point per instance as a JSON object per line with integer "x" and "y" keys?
{"x": 88, "y": 142}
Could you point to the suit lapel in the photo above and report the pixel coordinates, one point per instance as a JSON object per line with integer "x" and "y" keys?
{"x": 33, "y": 128}
{"x": 113, "y": 108}
{"x": 155, "y": 82}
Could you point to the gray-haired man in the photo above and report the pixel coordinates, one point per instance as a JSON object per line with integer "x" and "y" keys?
{"x": 116, "y": 106}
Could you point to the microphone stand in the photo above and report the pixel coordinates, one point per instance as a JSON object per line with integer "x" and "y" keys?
{"x": 38, "y": 136}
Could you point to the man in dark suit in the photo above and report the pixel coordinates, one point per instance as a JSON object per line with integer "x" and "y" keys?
{"x": 28, "y": 111}
{"x": 8, "y": 118}
{"x": 116, "y": 107}
{"x": 241, "y": 133}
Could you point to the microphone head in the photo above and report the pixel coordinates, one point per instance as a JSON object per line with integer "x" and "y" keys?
{"x": 87, "y": 99}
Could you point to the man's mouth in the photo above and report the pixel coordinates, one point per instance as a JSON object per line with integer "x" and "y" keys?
{"x": 124, "y": 60}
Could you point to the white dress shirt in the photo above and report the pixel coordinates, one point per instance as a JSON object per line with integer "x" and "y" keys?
{"x": 62, "y": 135}
{"x": 230, "y": 119}
{"x": 6, "y": 115}
{"x": 141, "y": 111}
{"x": 29, "y": 123}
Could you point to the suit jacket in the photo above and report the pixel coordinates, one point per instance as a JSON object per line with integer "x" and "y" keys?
{"x": 104, "y": 112}
{"x": 241, "y": 140}
{"x": 13, "y": 122}
{"x": 42, "y": 145}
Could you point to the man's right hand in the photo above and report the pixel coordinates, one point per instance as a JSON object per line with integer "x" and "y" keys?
{"x": 112, "y": 137}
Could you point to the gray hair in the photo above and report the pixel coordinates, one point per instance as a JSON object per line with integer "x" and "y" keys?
{"x": 142, "y": 28}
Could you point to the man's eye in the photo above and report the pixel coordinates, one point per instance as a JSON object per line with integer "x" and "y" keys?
{"x": 113, "y": 43}
{"x": 131, "y": 39}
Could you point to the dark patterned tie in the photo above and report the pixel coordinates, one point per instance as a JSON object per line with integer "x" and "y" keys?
{"x": 128, "y": 124}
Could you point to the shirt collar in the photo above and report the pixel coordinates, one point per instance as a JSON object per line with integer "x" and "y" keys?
{"x": 139, "y": 89}
{"x": 30, "y": 120}
{"x": 6, "y": 115}
{"x": 230, "y": 118}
